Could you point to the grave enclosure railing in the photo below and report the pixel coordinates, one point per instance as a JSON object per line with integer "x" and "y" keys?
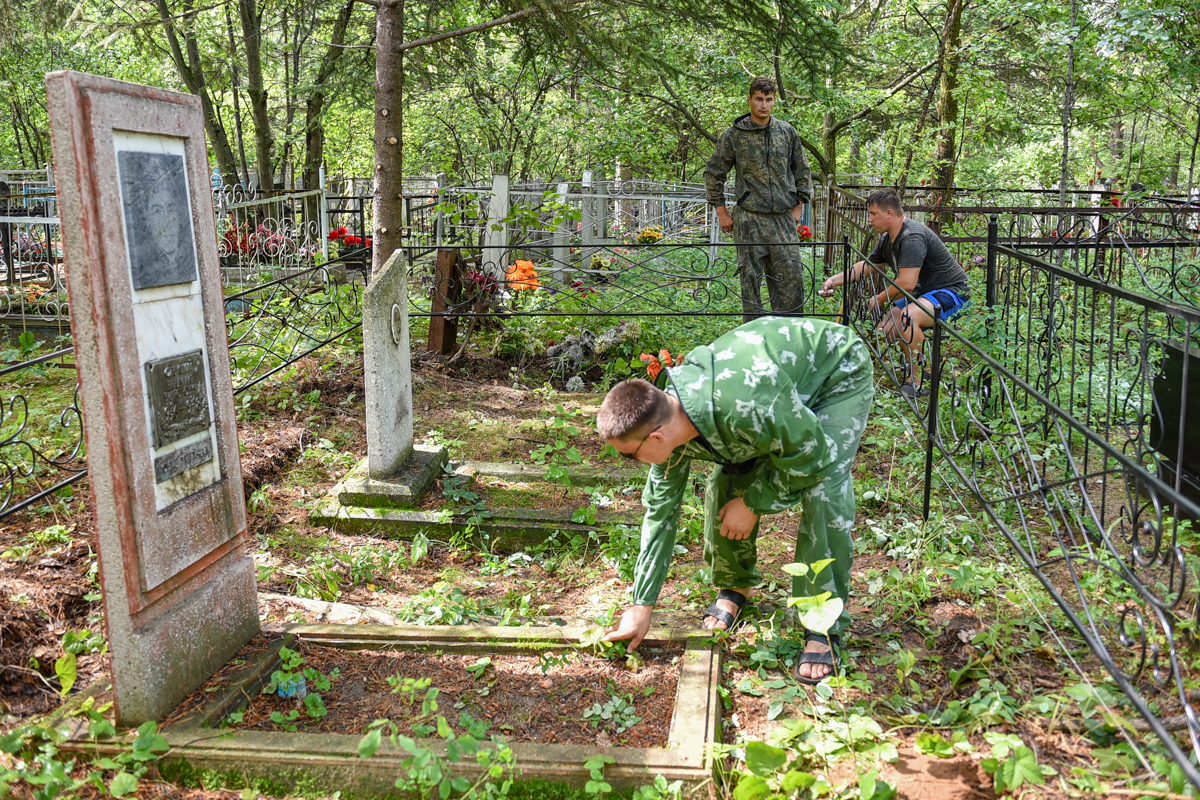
{"x": 613, "y": 289}
{"x": 1060, "y": 402}
{"x": 282, "y": 302}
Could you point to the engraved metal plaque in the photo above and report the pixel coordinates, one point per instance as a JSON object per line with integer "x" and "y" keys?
{"x": 183, "y": 459}
{"x": 158, "y": 219}
{"x": 178, "y": 397}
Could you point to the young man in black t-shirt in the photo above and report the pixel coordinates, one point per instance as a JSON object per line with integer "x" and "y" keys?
{"x": 924, "y": 268}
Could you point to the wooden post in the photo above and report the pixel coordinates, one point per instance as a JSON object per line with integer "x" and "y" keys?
{"x": 447, "y": 291}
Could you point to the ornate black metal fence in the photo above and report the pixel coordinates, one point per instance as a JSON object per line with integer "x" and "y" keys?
{"x": 603, "y": 281}
{"x": 270, "y": 326}
{"x": 1056, "y": 405}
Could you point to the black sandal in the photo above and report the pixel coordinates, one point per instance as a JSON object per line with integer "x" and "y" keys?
{"x": 827, "y": 658}
{"x": 720, "y": 614}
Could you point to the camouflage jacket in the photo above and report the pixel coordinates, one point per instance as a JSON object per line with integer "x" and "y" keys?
{"x": 772, "y": 170}
{"x": 750, "y": 395}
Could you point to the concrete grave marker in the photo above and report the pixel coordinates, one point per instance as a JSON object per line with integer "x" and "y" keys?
{"x": 396, "y": 470}
{"x": 155, "y": 385}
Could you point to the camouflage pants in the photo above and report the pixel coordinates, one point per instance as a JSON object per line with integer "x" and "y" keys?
{"x": 778, "y": 260}
{"x": 827, "y": 514}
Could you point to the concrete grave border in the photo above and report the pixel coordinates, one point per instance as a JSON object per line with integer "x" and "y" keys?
{"x": 358, "y": 504}
{"x": 329, "y": 762}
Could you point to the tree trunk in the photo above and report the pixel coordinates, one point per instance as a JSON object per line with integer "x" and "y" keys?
{"x": 945, "y": 151}
{"x": 314, "y": 104}
{"x": 252, "y": 37}
{"x": 1068, "y": 103}
{"x": 829, "y": 137}
{"x": 237, "y": 100}
{"x": 190, "y": 71}
{"x": 1116, "y": 141}
{"x": 1195, "y": 141}
{"x": 389, "y": 131}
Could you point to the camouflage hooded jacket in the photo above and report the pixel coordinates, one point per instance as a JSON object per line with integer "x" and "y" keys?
{"x": 773, "y": 176}
{"x": 750, "y": 395}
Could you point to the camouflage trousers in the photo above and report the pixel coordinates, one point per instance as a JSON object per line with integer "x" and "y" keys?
{"x": 778, "y": 260}
{"x": 827, "y": 510}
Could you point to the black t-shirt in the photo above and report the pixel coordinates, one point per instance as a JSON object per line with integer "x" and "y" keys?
{"x": 917, "y": 246}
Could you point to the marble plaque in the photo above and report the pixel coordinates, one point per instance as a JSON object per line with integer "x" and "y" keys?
{"x": 178, "y": 397}
{"x": 158, "y": 221}
{"x": 180, "y": 461}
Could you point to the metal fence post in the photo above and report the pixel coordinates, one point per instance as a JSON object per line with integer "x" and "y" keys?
{"x": 845, "y": 279}
{"x": 714, "y": 234}
{"x": 935, "y": 377}
{"x": 993, "y": 231}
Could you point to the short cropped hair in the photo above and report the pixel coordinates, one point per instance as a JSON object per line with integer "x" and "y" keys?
{"x": 631, "y": 407}
{"x": 761, "y": 84}
{"x": 885, "y": 200}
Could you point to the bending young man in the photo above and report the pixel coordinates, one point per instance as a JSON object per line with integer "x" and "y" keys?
{"x": 924, "y": 269}
{"x": 779, "y": 404}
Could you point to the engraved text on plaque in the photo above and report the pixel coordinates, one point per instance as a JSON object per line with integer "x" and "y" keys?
{"x": 178, "y": 397}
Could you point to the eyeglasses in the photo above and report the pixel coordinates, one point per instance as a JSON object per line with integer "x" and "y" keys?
{"x": 633, "y": 456}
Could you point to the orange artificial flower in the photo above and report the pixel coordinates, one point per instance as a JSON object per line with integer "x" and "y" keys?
{"x": 522, "y": 275}
{"x": 652, "y": 366}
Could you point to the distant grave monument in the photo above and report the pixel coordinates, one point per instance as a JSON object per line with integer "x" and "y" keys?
{"x": 155, "y": 386}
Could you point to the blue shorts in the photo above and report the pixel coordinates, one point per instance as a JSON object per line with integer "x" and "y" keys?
{"x": 947, "y": 302}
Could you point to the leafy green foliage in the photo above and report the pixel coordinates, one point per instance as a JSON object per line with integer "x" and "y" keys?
{"x": 596, "y": 784}
{"x": 616, "y": 710}
{"x": 425, "y": 773}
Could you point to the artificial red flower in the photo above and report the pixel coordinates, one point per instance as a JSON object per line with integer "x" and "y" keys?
{"x": 652, "y": 365}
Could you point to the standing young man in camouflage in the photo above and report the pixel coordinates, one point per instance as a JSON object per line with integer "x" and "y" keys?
{"x": 773, "y": 184}
{"x": 780, "y": 405}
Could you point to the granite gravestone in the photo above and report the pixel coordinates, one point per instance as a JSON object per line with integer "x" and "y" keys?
{"x": 155, "y": 386}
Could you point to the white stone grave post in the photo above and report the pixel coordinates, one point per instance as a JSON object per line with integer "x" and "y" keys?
{"x": 323, "y": 213}
{"x": 495, "y": 242}
{"x": 562, "y": 237}
{"x": 587, "y": 217}
{"x": 155, "y": 387}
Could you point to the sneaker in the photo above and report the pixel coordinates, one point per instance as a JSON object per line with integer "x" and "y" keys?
{"x": 912, "y": 392}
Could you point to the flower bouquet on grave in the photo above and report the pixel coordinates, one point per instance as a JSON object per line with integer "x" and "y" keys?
{"x": 655, "y": 365}
{"x": 805, "y": 232}
{"x": 651, "y": 234}
{"x": 522, "y": 276}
